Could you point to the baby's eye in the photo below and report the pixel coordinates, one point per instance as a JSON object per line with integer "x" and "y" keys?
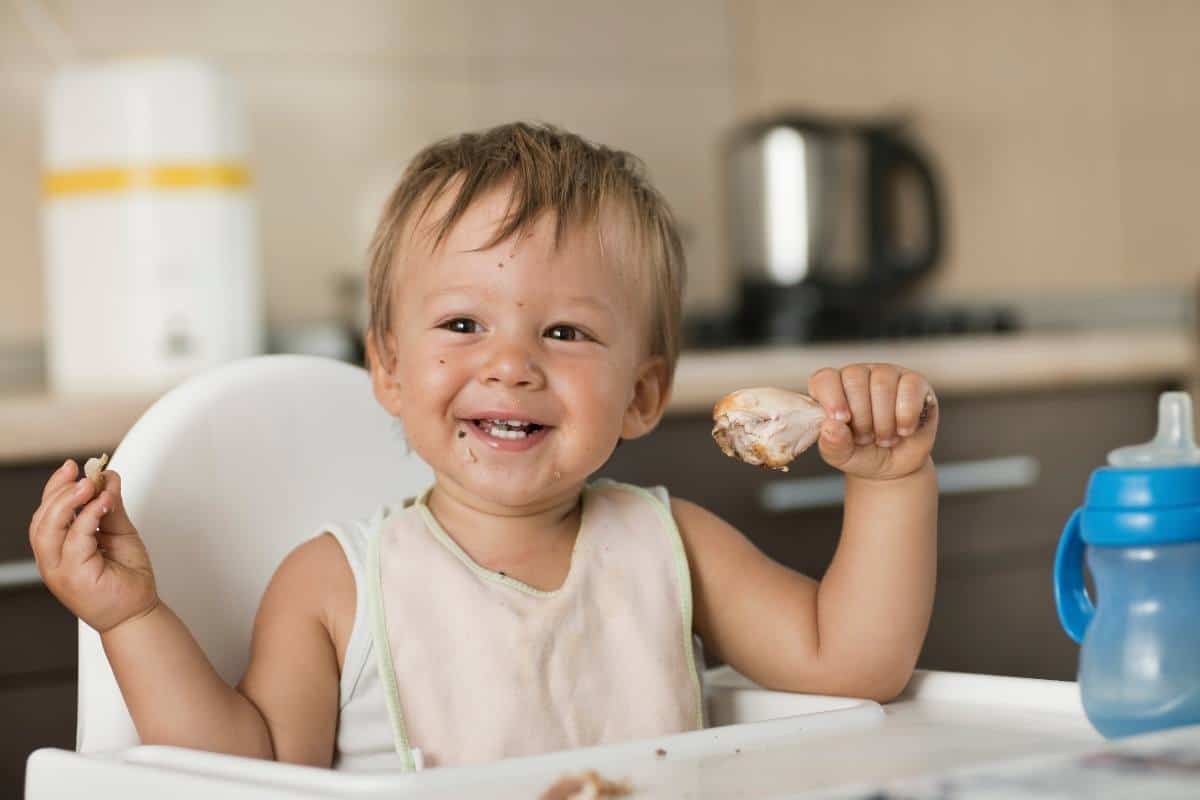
{"x": 566, "y": 333}
{"x": 461, "y": 325}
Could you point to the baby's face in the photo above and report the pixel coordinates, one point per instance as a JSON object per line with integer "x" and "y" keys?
{"x": 552, "y": 338}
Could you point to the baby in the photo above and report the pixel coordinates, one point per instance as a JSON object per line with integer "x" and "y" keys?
{"x": 525, "y": 292}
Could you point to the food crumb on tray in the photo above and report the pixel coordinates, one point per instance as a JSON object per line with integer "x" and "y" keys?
{"x": 586, "y": 786}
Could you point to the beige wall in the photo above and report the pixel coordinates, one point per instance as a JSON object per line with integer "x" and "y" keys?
{"x": 1158, "y": 139}
{"x": 1065, "y": 131}
{"x": 339, "y": 100}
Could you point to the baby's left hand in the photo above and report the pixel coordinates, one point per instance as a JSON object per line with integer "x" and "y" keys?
{"x": 882, "y": 419}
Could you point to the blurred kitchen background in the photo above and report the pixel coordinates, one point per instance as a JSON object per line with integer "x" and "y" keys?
{"x": 1055, "y": 307}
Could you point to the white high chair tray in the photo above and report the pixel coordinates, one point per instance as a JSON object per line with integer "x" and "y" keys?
{"x": 768, "y": 744}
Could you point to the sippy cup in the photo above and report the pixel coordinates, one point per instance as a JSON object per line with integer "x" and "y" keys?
{"x": 1139, "y": 528}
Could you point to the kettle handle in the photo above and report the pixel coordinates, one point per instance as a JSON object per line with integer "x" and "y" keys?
{"x": 889, "y": 153}
{"x": 1075, "y": 609}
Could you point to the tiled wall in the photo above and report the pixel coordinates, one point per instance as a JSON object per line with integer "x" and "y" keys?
{"x": 340, "y": 96}
{"x": 1065, "y": 130}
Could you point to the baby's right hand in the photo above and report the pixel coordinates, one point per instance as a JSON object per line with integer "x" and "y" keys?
{"x": 88, "y": 552}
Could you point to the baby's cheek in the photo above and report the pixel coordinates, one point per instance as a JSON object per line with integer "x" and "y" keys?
{"x": 425, "y": 390}
{"x": 609, "y": 414}
{"x": 436, "y": 369}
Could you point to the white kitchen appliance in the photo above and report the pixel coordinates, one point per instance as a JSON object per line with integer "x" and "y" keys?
{"x": 150, "y": 233}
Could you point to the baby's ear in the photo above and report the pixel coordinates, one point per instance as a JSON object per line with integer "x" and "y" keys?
{"x": 381, "y": 364}
{"x": 650, "y": 395}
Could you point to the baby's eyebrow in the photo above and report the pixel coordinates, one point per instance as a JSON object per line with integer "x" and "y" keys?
{"x": 592, "y": 302}
{"x": 465, "y": 289}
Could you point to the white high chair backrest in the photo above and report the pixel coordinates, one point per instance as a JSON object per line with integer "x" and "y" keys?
{"x": 225, "y": 475}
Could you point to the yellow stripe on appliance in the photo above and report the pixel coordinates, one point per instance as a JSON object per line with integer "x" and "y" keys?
{"x": 154, "y": 177}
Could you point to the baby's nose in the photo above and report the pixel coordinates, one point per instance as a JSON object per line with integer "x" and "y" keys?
{"x": 510, "y": 364}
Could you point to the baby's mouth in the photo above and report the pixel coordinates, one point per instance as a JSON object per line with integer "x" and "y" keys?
{"x": 507, "y": 428}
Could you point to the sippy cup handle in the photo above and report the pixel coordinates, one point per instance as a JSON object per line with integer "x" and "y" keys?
{"x": 1075, "y": 608}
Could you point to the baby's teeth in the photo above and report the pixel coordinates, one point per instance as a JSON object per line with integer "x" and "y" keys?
{"x": 494, "y": 429}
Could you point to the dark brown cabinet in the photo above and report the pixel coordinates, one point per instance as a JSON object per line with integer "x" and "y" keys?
{"x": 38, "y": 657}
{"x": 994, "y": 611}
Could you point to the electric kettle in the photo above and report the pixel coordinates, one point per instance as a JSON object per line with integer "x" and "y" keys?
{"x": 825, "y": 215}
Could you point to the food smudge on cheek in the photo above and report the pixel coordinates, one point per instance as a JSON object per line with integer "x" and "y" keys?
{"x": 468, "y": 453}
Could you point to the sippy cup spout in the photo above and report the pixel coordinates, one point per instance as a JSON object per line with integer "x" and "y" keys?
{"x": 1174, "y": 444}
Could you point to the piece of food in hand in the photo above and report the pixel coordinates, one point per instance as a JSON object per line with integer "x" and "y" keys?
{"x": 766, "y": 426}
{"x": 586, "y": 786}
{"x": 93, "y": 470}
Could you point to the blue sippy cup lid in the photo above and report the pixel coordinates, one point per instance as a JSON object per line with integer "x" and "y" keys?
{"x": 1151, "y": 492}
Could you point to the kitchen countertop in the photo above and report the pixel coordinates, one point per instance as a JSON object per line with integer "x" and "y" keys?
{"x": 36, "y": 424}
{"x": 953, "y": 366}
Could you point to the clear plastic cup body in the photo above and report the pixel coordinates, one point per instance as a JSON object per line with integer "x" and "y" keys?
{"x": 1139, "y": 667}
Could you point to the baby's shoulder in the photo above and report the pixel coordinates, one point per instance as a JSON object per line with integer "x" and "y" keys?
{"x": 315, "y": 580}
{"x": 697, "y": 525}
{"x": 316, "y": 567}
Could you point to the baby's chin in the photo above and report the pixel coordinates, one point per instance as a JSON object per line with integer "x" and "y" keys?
{"x": 514, "y": 493}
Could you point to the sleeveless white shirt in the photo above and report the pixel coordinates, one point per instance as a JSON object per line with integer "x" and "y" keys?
{"x": 469, "y": 665}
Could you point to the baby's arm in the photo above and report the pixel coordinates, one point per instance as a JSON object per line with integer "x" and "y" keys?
{"x": 294, "y": 672}
{"x": 92, "y": 558}
{"x": 859, "y": 631}
{"x": 173, "y": 693}
{"x": 286, "y": 705}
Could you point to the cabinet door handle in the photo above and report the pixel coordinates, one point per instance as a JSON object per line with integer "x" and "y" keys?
{"x": 955, "y": 477}
{"x": 15, "y": 574}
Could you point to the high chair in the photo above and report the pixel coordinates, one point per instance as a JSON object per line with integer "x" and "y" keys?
{"x": 223, "y": 476}
{"x": 227, "y": 473}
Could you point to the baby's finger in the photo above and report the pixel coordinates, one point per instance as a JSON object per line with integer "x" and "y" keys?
{"x": 80, "y": 543}
{"x": 836, "y": 443}
{"x": 825, "y": 386}
{"x": 47, "y": 537}
{"x": 856, "y": 381}
{"x": 58, "y": 479}
{"x": 117, "y": 520}
{"x": 910, "y": 400}
{"x": 884, "y": 381}
{"x": 65, "y": 474}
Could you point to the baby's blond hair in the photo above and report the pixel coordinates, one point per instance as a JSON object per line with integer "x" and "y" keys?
{"x": 547, "y": 169}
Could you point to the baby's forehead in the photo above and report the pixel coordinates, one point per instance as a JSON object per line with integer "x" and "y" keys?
{"x": 596, "y": 252}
